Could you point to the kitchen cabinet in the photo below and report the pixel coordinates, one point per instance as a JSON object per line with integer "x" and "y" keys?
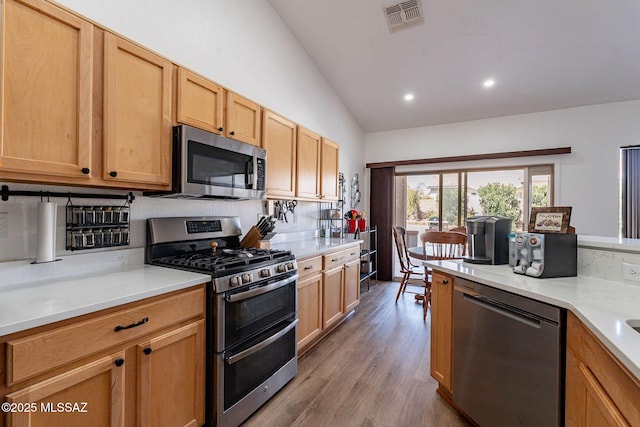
{"x": 243, "y": 119}
{"x": 351, "y": 284}
{"x": 599, "y": 390}
{"x": 308, "y": 164}
{"x": 442, "y": 329}
{"x": 279, "y": 139}
{"x": 138, "y": 364}
{"x": 137, "y": 114}
{"x": 46, "y": 93}
{"x": 329, "y": 170}
{"x": 200, "y": 102}
{"x": 309, "y": 300}
{"x": 328, "y": 291}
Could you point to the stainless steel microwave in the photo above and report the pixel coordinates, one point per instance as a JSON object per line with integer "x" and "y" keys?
{"x": 206, "y": 165}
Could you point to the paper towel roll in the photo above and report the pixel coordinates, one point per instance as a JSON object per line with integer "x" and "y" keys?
{"x": 46, "y": 232}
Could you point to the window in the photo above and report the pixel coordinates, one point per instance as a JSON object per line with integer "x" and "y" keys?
{"x": 443, "y": 200}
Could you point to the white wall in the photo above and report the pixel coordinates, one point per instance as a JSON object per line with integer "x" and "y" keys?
{"x": 240, "y": 44}
{"x": 587, "y": 179}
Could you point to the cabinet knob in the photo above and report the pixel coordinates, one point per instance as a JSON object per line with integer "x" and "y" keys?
{"x": 445, "y": 282}
{"x": 232, "y": 133}
{"x": 86, "y": 171}
{"x": 113, "y": 174}
{"x": 119, "y": 362}
{"x": 220, "y": 129}
{"x": 147, "y": 350}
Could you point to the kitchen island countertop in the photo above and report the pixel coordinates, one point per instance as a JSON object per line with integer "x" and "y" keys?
{"x": 604, "y": 306}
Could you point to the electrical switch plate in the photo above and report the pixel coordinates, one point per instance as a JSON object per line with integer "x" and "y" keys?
{"x": 631, "y": 272}
{"x": 4, "y": 225}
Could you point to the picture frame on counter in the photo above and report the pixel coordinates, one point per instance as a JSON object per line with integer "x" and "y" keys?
{"x": 553, "y": 219}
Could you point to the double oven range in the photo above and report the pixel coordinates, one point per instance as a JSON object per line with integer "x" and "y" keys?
{"x": 251, "y": 310}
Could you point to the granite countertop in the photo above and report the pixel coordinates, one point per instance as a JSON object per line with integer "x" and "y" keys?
{"x": 314, "y": 246}
{"x": 28, "y": 305}
{"x": 604, "y": 306}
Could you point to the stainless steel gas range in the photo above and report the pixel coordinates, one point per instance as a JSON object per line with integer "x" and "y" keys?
{"x": 251, "y": 310}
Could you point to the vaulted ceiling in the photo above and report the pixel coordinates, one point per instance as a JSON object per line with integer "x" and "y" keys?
{"x": 542, "y": 54}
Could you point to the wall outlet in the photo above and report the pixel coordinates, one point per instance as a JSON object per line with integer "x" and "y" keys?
{"x": 631, "y": 272}
{"x": 4, "y": 225}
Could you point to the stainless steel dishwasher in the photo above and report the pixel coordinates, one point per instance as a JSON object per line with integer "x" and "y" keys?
{"x": 508, "y": 357}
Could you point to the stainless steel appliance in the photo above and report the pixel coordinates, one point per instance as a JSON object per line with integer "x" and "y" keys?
{"x": 206, "y": 165}
{"x": 251, "y": 310}
{"x": 487, "y": 239}
{"x": 546, "y": 255}
{"x": 507, "y": 357}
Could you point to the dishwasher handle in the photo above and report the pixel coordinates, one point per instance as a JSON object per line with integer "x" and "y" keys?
{"x": 501, "y": 308}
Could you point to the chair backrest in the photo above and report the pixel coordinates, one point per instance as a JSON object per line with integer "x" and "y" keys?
{"x": 399, "y": 237}
{"x": 444, "y": 244}
{"x": 462, "y": 229}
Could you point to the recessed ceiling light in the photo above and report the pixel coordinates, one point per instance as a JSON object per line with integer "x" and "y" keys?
{"x": 489, "y": 83}
{"x": 408, "y": 97}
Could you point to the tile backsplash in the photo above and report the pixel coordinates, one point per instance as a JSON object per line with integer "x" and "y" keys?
{"x": 18, "y": 240}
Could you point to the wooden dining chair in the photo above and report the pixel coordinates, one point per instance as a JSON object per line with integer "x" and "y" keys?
{"x": 439, "y": 245}
{"x": 407, "y": 268}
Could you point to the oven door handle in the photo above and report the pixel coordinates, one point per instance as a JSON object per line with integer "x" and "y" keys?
{"x": 263, "y": 290}
{"x": 256, "y": 348}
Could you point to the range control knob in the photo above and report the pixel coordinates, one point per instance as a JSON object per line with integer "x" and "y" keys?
{"x": 282, "y": 268}
{"x": 290, "y": 266}
{"x": 246, "y": 278}
{"x": 265, "y": 272}
{"x": 235, "y": 281}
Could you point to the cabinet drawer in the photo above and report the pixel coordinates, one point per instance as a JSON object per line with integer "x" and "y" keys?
{"x": 35, "y": 354}
{"x": 338, "y": 258}
{"x": 309, "y": 266}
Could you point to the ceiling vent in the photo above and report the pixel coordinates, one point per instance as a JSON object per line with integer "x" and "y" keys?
{"x": 404, "y": 14}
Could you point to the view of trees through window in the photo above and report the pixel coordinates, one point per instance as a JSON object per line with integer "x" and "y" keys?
{"x": 442, "y": 201}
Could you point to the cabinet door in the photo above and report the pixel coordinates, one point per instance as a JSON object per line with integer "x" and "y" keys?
{"x": 309, "y": 309}
{"x": 200, "y": 102}
{"x": 332, "y": 296}
{"x": 137, "y": 114}
{"x": 351, "y": 284}
{"x": 171, "y": 378}
{"x": 308, "y": 174}
{"x": 279, "y": 139}
{"x": 441, "y": 328}
{"x": 47, "y": 56}
{"x": 329, "y": 170}
{"x": 95, "y": 392}
{"x": 243, "y": 119}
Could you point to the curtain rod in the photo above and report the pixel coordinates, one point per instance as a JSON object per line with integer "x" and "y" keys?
{"x": 465, "y": 158}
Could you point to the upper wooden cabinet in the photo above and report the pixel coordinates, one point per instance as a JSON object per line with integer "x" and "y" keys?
{"x": 200, "y": 102}
{"x": 242, "y": 119}
{"x": 47, "y": 68}
{"x": 137, "y": 113}
{"x": 329, "y": 170}
{"x": 308, "y": 179}
{"x": 279, "y": 139}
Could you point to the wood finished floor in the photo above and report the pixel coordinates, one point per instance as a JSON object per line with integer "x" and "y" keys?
{"x": 372, "y": 371}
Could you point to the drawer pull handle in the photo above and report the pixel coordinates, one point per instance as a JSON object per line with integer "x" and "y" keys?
{"x": 119, "y": 362}
{"x": 133, "y": 325}
{"x": 308, "y": 267}
{"x": 147, "y": 350}
{"x": 335, "y": 259}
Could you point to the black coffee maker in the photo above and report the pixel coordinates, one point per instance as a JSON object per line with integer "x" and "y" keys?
{"x": 487, "y": 240}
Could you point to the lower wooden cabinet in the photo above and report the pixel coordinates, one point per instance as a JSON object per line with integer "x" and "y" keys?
{"x": 91, "y": 395}
{"x": 599, "y": 390}
{"x": 442, "y": 329}
{"x": 328, "y": 290}
{"x": 152, "y": 379}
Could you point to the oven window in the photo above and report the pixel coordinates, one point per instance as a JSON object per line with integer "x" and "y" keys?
{"x": 215, "y": 166}
{"x": 243, "y": 376}
{"x": 247, "y": 317}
